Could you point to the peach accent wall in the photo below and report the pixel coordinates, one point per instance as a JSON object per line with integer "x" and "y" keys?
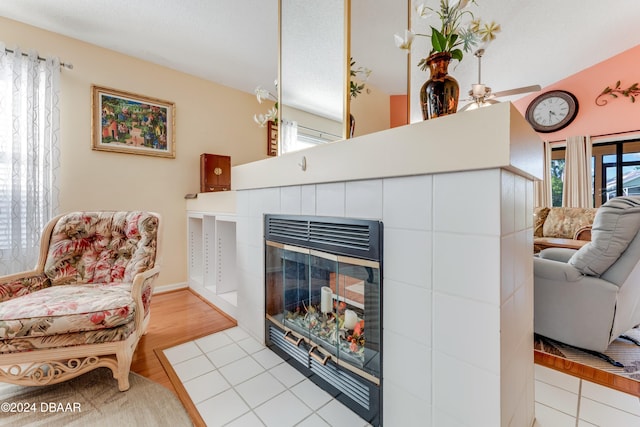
{"x": 619, "y": 115}
{"x": 210, "y": 118}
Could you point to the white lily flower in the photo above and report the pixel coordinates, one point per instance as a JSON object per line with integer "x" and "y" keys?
{"x": 459, "y": 4}
{"x": 272, "y": 114}
{"x": 260, "y": 119}
{"x": 404, "y": 42}
{"x": 261, "y": 94}
{"x": 423, "y": 11}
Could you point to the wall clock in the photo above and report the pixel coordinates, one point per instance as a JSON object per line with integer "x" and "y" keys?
{"x": 552, "y": 111}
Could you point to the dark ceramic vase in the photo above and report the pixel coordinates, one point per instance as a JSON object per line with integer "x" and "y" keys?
{"x": 352, "y": 125}
{"x": 439, "y": 94}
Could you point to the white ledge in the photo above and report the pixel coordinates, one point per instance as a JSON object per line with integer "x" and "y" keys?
{"x": 492, "y": 137}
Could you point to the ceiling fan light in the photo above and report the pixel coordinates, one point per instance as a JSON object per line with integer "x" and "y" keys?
{"x": 479, "y": 104}
{"x": 478, "y": 90}
{"x": 470, "y": 106}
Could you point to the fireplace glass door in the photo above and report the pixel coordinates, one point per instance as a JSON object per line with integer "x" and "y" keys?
{"x": 330, "y": 302}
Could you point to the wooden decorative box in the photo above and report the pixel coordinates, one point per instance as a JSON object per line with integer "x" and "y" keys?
{"x": 215, "y": 173}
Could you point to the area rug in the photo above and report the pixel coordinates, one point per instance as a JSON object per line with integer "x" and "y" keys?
{"x": 92, "y": 399}
{"x": 622, "y": 351}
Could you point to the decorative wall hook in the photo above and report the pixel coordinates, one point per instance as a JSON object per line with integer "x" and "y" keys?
{"x": 631, "y": 92}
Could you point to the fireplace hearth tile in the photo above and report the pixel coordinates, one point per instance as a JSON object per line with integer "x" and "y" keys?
{"x": 313, "y": 421}
{"x": 237, "y": 333}
{"x": 225, "y": 355}
{"x": 250, "y": 345}
{"x": 206, "y": 386}
{"x": 311, "y": 394}
{"x": 338, "y": 415}
{"x": 259, "y": 396}
{"x": 182, "y": 352}
{"x": 241, "y": 370}
{"x": 213, "y": 342}
{"x": 193, "y": 368}
{"x": 287, "y": 374}
{"x": 283, "y": 410}
{"x": 259, "y": 389}
{"x": 222, "y": 408}
{"x": 247, "y": 420}
{"x": 267, "y": 358}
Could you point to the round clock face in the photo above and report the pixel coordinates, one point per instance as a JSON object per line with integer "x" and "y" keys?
{"x": 552, "y": 111}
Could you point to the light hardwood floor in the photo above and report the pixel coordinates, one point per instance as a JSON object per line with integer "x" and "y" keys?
{"x": 588, "y": 373}
{"x": 176, "y": 317}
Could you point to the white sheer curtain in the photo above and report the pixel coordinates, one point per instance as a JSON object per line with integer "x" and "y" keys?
{"x": 542, "y": 188}
{"x": 29, "y": 155}
{"x": 289, "y": 131}
{"x": 576, "y": 190}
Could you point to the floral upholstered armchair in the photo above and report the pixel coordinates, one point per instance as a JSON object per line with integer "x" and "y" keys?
{"x": 86, "y": 304}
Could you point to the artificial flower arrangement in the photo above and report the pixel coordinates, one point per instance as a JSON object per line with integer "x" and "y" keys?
{"x": 456, "y": 35}
{"x": 355, "y": 88}
{"x": 272, "y": 113}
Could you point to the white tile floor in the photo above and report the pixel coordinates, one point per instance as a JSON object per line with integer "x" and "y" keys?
{"x": 564, "y": 400}
{"x": 235, "y": 381}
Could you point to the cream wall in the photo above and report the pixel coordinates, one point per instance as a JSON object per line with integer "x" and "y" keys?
{"x": 371, "y": 110}
{"x": 209, "y": 118}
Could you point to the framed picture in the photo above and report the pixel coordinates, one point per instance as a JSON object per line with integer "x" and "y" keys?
{"x": 128, "y": 123}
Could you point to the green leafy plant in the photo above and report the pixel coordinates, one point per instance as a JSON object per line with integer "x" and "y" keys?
{"x": 456, "y": 34}
{"x": 631, "y": 92}
{"x": 361, "y": 73}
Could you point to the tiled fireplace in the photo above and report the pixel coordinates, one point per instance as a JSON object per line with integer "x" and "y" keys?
{"x": 457, "y": 203}
{"x": 457, "y": 285}
{"x": 323, "y": 304}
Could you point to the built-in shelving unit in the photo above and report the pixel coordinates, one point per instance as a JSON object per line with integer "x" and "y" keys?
{"x": 212, "y": 258}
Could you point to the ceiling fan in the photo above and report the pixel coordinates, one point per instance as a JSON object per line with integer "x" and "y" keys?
{"x": 480, "y": 95}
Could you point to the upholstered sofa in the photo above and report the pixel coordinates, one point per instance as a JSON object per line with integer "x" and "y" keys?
{"x": 562, "y": 227}
{"x": 86, "y": 303}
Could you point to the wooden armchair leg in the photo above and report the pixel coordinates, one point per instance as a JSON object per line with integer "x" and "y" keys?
{"x": 124, "y": 356}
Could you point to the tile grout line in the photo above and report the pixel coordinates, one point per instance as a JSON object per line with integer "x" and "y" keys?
{"x": 578, "y": 405}
{"x": 232, "y": 387}
{"x": 286, "y": 388}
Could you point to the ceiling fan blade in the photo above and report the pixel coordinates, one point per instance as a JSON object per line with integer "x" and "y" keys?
{"x": 516, "y": 91}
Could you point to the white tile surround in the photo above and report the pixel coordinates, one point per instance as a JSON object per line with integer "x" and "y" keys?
{"x": 458, "y": 288}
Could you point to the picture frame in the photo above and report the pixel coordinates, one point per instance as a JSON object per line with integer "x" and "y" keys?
{"x": 125, "y": 122}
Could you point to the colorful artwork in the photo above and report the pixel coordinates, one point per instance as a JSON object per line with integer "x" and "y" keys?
{"x": 128, "y": 123}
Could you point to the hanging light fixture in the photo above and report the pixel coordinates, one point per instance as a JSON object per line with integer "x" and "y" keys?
{"x": 480, "y": 95}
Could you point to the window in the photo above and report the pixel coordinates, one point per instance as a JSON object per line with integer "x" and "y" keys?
{"x": 15, "y": 160}
{"x": 617, "y": 168}
{"x": 557, "y": 175}
{"x": 29, "y": 134}
{"x": 557, "y": 178}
